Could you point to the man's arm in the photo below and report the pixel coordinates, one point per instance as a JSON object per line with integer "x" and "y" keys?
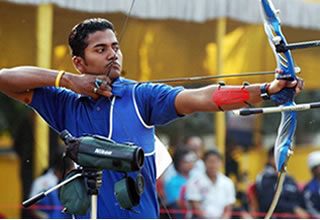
{"x": 19, "y": 82}
{"x": 201, "y": 100}
{"x": 227, "y": 212}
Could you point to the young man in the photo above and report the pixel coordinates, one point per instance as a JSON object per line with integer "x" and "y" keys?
{"x": 290, "y": 202}
{"x": 211, "y": 194}
{"x": 311, "y": 191}
{"x": 115, "y": 107}
{"x": 184, "y": 159}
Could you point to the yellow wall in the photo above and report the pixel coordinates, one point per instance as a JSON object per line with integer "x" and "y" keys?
{"x": 154, "y": 48}
{"x": 10, "y": 187}
{"x": 254, "y": 162}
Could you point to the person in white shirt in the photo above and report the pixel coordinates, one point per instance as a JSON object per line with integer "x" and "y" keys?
{"x": 212, "y": 194}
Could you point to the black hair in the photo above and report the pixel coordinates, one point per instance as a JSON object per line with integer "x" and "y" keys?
{"x": 211, "y": 152}
{"x": 179, "y": 155}
{"x": 79, "y": 34}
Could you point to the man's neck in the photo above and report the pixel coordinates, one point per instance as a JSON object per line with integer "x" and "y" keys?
{"x": 184, "y": 174}
{"x": 213, "y": 177}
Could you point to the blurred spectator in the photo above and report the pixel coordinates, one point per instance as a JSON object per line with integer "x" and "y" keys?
{"x": 311, "y": 191}
{"x": 51, "y": 205}
{"x": 231, "y": 160}
{"x": 290, "y": 201}
{"x": 183, "y": 161}
{"x": 195, "y": 143}
{"x": 211, "y": 194}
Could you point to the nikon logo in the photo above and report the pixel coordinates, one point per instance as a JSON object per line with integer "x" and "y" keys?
{"x": 101, "y": 151}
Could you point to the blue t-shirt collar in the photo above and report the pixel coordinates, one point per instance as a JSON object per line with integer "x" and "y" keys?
{"x": 118, "y": 89}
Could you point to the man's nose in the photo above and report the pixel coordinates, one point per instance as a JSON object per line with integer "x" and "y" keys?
{"x": 112, "y": 55}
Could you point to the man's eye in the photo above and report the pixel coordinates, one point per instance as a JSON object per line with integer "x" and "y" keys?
{"x": 116, "y": 48}
{"x": 101, "y": 50}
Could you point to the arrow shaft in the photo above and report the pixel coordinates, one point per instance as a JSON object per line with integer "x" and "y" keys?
{"x": 303, "y": 45}
{"x": 268, "y": 110}
{"x": 282, "y": 48}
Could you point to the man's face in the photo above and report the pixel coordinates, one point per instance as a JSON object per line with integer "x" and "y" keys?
{"x": 103, "y": 55}
{"x": 187, "y": 163}
{"x": 213, "y": 164}
{"x": 316, "y": 171}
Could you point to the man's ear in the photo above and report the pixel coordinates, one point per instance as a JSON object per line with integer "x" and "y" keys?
{"x": 79, "y": 63}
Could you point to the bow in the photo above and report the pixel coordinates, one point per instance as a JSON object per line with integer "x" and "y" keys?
{"x": 285, "y": 63}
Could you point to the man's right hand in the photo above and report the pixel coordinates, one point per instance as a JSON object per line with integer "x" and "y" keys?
{"x": 85, "y": 84}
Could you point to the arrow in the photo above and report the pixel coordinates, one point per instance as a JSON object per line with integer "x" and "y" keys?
{"x": 268, "y": 110}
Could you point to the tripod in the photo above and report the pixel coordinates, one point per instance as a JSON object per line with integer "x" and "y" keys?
{"x": 93, "y": 182}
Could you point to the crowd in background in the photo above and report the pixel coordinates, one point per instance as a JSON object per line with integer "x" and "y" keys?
{"x": 195, "y": 187}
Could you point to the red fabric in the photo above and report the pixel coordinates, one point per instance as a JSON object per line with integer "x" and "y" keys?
{"x": 182, "y": 201}
{"x": 160, "y": 188}
{"x": 252, "y": 193}
{"x": 230, "y": 96}
{"x": 253, "y": 202}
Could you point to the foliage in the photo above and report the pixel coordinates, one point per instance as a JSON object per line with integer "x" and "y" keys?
{"x": 11, "y": 114}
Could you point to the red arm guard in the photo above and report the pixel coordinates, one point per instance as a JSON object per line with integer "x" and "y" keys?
{"x": 230, "y": 96}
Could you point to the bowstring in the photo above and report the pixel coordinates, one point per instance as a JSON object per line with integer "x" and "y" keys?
{"x": 124, "y": 27}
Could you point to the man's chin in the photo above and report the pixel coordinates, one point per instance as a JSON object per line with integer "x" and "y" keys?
{"x": 114, "y": 74}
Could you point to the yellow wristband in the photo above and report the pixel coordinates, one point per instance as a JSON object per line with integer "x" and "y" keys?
{"x": 58, "y": 79}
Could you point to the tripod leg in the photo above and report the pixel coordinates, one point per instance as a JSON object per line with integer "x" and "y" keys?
{"x": 39, "y": 196}
{"x": 94, "y": 181}
{"x": 94, "y": 206}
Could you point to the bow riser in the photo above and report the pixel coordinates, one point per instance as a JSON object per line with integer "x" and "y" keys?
{"x": 284, "y": 141}
{"x": 285, "y": 65}
{"x": 272, "y": 25}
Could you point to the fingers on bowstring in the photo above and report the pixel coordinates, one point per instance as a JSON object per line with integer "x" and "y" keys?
{"x": 103, "y": 80}
{"x": 291, "y": 84}
{"x": 104, "y": 90}
{"x": 300, "y": 83}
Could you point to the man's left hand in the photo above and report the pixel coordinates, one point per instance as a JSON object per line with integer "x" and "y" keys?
{"x": 282, "y": 91}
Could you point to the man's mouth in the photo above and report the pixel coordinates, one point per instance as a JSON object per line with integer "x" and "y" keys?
{"x": 115, "y": 66}
{"x": 112, "y": 66}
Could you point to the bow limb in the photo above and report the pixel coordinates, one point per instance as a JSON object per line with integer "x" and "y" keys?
{"x": 277, "y": 193}
{"x": 287, "y": 126}
{"x": 280, "y": 180}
